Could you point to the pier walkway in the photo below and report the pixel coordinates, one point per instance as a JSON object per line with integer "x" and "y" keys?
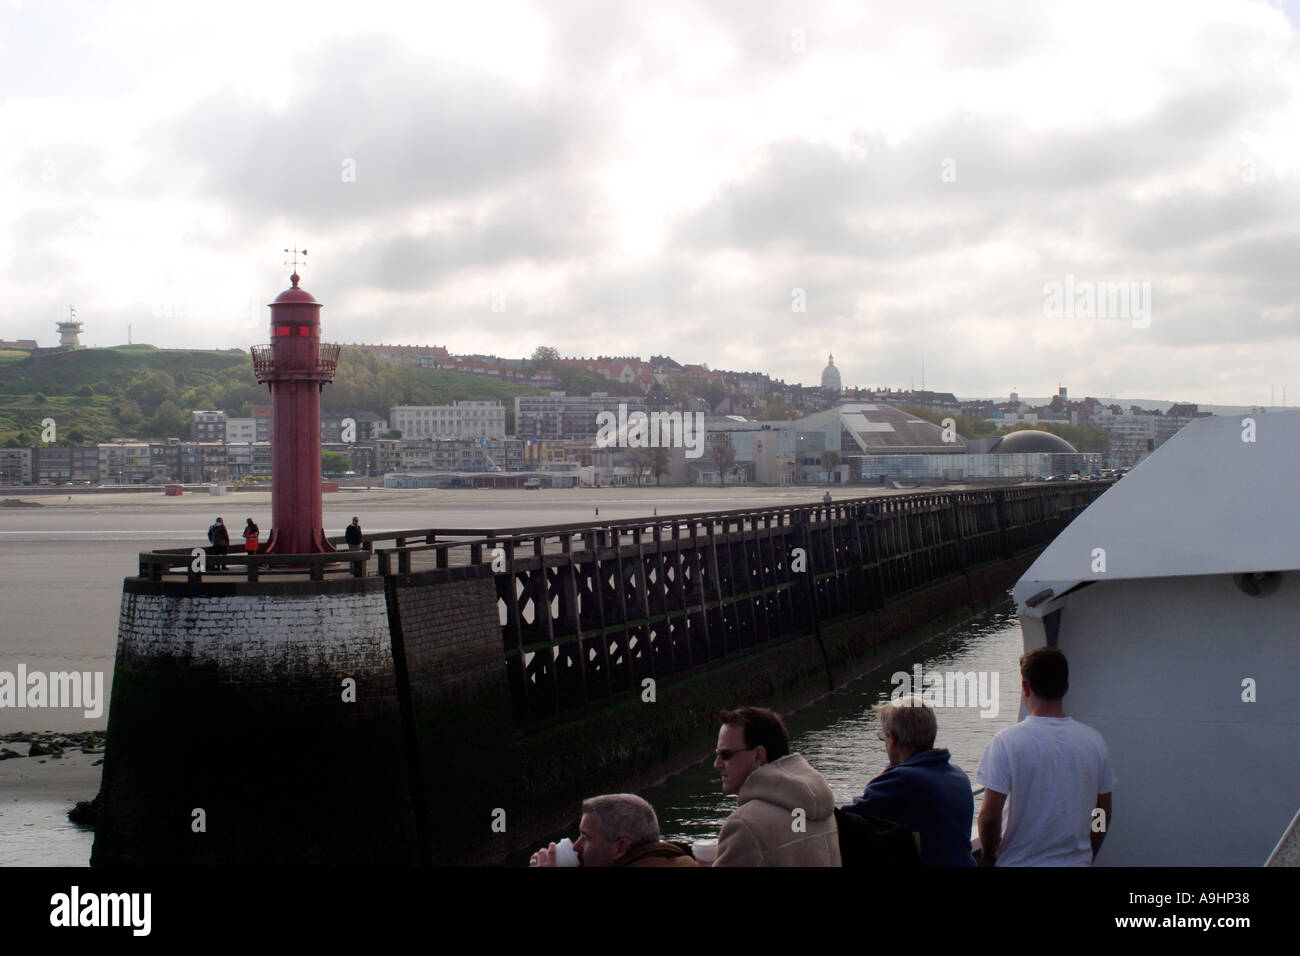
{"x": 656, "y": 596}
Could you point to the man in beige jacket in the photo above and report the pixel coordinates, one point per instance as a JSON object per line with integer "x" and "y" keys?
{"x": 786, "y": 815}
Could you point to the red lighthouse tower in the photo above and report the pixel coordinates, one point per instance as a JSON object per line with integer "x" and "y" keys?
{"x": 296, "y": 366}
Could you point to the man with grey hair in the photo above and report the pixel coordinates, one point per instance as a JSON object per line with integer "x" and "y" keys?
{"x": 921, "y": 789}
{"x": 619, "y": 829}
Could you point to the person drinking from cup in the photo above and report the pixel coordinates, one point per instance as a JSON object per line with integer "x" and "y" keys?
{"x": 617, "y": 829}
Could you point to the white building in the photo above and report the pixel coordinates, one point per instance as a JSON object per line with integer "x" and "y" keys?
{"x": 241, "y": 430}
{"x": 69, "y": 335}
{"x": 1131, "y": 435}
{"x": 458, "y": 420}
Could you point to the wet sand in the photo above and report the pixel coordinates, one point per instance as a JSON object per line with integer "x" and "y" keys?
{"x": 36, "y": 794}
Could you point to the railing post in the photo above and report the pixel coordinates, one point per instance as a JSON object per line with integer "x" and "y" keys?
{"x": 810, "y": 585}
{"x": 1004, "y": 537}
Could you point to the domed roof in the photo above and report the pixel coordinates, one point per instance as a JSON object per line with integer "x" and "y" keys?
{"x": 293, "y": 294}
{"x": 831, "y": 375}
{"x": 1029, "y": 441}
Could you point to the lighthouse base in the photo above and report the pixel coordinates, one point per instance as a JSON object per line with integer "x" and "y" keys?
{"x": 280, "y": 543}
{"x": 350, "y": 722}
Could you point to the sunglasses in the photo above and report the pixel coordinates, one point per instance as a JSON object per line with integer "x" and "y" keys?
{"x": 726, "y": 755}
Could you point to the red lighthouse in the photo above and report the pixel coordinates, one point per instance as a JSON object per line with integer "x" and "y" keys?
{"x": 296, "y": 367}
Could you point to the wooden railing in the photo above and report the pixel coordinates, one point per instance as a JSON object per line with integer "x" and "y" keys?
{"x": 155, "y": 564}
{"x": 589, "y": 610}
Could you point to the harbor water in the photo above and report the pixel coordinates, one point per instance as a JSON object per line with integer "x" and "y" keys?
{"x": 838, "y": 733}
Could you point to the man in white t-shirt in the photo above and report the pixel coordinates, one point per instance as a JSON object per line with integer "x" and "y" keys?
{"x": 1056, "y": 772}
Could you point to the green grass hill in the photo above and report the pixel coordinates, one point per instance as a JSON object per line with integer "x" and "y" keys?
{"x": 146, "y": 392}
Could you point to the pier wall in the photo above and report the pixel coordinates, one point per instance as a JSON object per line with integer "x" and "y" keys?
{"x": 633, "y": 743}
{"x": 230, "y": 699}
{"x": 447, "y": 647}
{"x": 521, "y": 672}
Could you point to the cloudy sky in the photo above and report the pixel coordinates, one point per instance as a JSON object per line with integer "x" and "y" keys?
{"x": 750, "y": 184}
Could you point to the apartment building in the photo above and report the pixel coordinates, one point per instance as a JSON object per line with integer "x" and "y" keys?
{"x": 468, "y": 419}
{"x": 558, "y": 416}
{"x": 207, "y": 425}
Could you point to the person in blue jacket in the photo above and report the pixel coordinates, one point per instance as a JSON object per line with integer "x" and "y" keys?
{"x": 921, "y": 789}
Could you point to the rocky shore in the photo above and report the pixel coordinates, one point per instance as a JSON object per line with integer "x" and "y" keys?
{"x": 83, "y": 751}
{"x": 51, "y": 746}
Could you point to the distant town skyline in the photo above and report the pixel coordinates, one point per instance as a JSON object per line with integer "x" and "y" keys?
{"x": 1276, "y": 398}
{"x": 1103, "y": 196}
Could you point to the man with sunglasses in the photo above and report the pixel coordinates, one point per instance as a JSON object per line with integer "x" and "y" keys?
{"x": 786, "y": 815}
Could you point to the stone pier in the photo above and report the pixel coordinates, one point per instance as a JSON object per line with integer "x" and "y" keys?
{"x": 451, "y": 692}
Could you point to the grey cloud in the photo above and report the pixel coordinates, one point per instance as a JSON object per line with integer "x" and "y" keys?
{"x": 417, "y": 131}
{"x": 552, "y": 226}
{"x": 893, "y": 201}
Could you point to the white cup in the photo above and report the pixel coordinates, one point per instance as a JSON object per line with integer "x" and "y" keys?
{"x": 565, "y": 854}
{"x": 706, "y": 851}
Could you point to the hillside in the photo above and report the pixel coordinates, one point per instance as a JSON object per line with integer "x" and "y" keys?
{"x": 62, "y": 373}
{"x": 142, "y": 391}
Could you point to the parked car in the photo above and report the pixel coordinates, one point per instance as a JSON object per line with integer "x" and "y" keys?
{"x": 532, "y": 482}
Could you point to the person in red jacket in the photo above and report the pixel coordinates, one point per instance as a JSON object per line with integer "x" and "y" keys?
{"x": 251, "y": 531}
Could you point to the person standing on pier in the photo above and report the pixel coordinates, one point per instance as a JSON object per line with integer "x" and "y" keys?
{"x": 786, "y": 815}
{"x": 219, "y": 538}
{"x": 251, "y": 532}
{"x": 353, "y": 534}
{"x": 1056, "y": 773}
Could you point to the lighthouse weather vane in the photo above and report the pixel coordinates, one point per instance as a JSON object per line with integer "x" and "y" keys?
{"x": 294, "y": 262}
